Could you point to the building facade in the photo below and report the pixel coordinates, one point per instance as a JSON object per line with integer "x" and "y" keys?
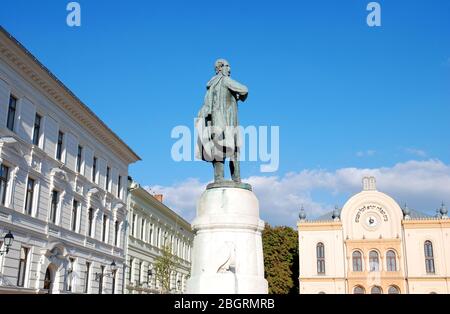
{"x": 63, "y": 185}
{"x": 374, "y": 246}
{"x": 152, "y": 226}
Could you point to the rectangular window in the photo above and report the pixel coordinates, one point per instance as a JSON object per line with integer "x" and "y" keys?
{"x": 37, "y": 130}
{"x": 133, "y": 225}
{"x": 320, "y": 252}
{"x": 60, "y": 146}
{"x": 87, "y": 278}
{"x": 130, "y": 272}
{"x": 90, "y": 221}
{"x": 357, "y": 261}
{"x": 74, "y": 215}
{"x": 150, "y": 235}
{"x": 11, "y": 112}
{"x": 54, "y": 206}
{"x": 429, "y": 258}
{"x": 94, "y": 170}
{"x": 29, "y": 197}
{"x": 158, "y": 235}
{"x": 374, "y": 261}
{"x": 105, "y": 221}
{"x": 116, "y": 233}
{"x": 4, "y": 173}
{"x": 22, "y": 267}
{"x": 108, "y": 172}
{"x": 100, "y": 284}
{"x": 119, "y": 187}
{"x": 321, "y": 267}
{"x": 79, "y": 156}
{"x": 142, "y": 229}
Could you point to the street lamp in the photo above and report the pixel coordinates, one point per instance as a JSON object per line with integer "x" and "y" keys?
{"x": 113, "y": 268}
{"x": 179, "y": 285}
{"x": 8, "y": 238}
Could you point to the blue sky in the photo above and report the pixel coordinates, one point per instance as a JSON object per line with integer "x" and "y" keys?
{"x": 343, "y": 94}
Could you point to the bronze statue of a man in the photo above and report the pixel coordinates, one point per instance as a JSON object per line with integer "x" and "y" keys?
{"x": 217, "y": 122}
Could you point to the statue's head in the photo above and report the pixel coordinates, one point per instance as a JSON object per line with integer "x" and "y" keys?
{"x": 222, "y": 66}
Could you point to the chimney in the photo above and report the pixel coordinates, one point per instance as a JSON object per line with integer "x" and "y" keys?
{"x": 159, "y": 197}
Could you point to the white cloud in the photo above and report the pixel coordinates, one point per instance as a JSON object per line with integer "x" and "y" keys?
{"x": 416, "y": 152}
{"x": 422, "y": 184}
{"x": 367, "y": 153}
{"x": 181, "y": 197}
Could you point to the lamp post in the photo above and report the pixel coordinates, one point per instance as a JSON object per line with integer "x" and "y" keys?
{"x": 9, "y": 239}
{"x": 113, "y": 268}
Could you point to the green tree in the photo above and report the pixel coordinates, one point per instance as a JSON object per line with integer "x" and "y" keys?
{"x": 280, "y": 246}
{"x": 164, "y": 266}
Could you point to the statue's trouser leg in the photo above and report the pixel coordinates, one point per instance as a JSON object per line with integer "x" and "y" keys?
{"x": 218, "y": 171}
{"x": 235, "y": 168}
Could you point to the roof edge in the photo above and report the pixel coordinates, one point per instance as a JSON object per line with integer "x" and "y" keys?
{"x": 133, "y": 156}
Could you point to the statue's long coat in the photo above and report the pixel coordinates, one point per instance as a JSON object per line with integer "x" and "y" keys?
{"x": 220, "y": 108}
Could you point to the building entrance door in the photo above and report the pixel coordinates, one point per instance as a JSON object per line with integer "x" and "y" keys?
{"x": 49, "y": 279}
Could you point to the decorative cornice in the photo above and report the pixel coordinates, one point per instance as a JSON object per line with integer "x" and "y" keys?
{"x": 426, "y": 223}
{"x": 18, "y": 57}
{"x": 319, "y": 225}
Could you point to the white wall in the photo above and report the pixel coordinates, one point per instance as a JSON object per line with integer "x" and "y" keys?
{"x": 414, "y": 241}
{"x": 334, "y": 253}
{"x": 26, "y": 160}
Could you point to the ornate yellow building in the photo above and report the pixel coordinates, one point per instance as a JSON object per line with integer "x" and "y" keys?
{"x": 374, "y": 246}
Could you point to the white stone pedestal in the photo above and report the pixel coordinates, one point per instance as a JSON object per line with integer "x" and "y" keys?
{"x": 227, "y": 253}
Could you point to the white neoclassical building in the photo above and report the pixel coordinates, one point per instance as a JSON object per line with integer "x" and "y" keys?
{"x": 374, "y": 246}
{"x": 151, "y": 226}
{"x": 63, "y": 185}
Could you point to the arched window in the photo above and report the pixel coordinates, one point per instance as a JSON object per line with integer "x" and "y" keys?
{"x": 359, "y": 290}
{"x": 357, "y": 261}
{"x": 393, "y": 290}
{"x": 48, "y": 280}
{"x": 376, "y": 290}
{"x": 429, "y": 257}
{"x": 320, "y": 258}
{"x": 391, "y": 261}
{"x": 374, "y": 261}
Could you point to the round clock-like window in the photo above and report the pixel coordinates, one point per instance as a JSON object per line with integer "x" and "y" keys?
{"x": 371, "y": 221}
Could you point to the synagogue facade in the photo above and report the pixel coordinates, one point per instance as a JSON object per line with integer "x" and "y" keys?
{"x": 374, "y": 246}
